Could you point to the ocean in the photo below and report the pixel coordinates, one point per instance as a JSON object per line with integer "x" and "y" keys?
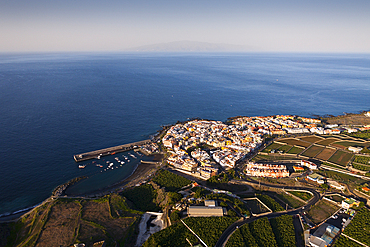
{"x": 55, "y": 105}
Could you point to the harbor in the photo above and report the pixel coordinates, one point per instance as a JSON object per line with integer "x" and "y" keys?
{"x": 109, "y": 151}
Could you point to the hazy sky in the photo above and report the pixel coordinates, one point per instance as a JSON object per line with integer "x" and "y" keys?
{"x": 116, "y": 25}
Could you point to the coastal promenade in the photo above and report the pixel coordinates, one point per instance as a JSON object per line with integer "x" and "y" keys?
{"x": 109, "y": 151}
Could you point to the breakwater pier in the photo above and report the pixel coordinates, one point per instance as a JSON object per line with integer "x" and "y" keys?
{"x": 109, "y": 151}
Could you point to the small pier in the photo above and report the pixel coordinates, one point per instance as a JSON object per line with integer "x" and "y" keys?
{"x": 109, "y": 151}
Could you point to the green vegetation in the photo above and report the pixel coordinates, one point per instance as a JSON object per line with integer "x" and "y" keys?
{"x": 313, "y": 151}
{"x": 175, "y": 236}
{"x": 301, "y": 194}
{"x": 361, "y": 134}
{"x": 359, "y": 227}
{"x": 261, "y": 157}
{"x": 350, "y": 143}
{"x": 261, "y": 230}
{"x": 218, "y": 179}
{"x": 362, "y": 159}
{"x": 68, "y": 221}
{"x": 171, "y": 181}
{"x": 295, "y": 142}
{"x": 242, "y": 237}
{"x": 291, "y": 201}
{"x": 269, "y": 202}
{"x": 200, "y": 192}
{"x": 272, "y": 146}
{"x": 209, "y": 229}
{"x": 327, "y": 141}
{"x": 343, "y": 241}
{"x": 284, "y": 230}
{"x": 175, "y": 217}
{"x": 285, "y": 148}
{"x": 360, "y": 167}
{"x": 334, "y": 166}
{"x": 237, "y": 204}
{"x": 143, "y": 197}
{"x": 321, "y": 211}
{"x": 340, "y": 177}
{"x": 341, "y": 158}
{"x": 255, "y": 206}
{"x": 295, "y": 150}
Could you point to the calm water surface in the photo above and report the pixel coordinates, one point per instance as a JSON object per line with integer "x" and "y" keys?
{"x": 55, "y": 105}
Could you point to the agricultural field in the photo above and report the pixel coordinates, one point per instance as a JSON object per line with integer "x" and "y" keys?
{"x": 171, "y": 181}
{"x": 209, "y": 229}
{"x": 271, "y": 203}
{"x": 242, "y": 237}
{"x": 295, "y": 142}
{"x": 326, "y": 153}
{"x": 262, "y": 232}
{"x": 255, "y": 206}
{"x": 361, "y": 167}
{"x": 359, "y": 227}
{"x": 262, "y": 157}
{"x": 311, "y": 139}
{"x": 321, "y": 211}
{"x": 362, "y": 159}
{"x": 327, "y": 141}
{"x": 175, "y": 236}
{"x": 295, "y": 150}
{"x": 291, "y": 201}
{"x": 301, "y": 194}
{"x": 336, "y": 198}
{"x": 285, "y": 148}
{"x": 340, "y": 177}
{"x": 361, "y": 134}
{"x": 343, "y": 241}
{"x": 272, "y": 146}
{"x": 283, "y": 230}
{"x": 276, "y": 232}
{"x": 341, "y": 158}
{"x": 312, "y": 151}
{"x": 350, "y": 143}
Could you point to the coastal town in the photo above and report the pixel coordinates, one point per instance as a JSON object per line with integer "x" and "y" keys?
{"x": 300, "y": 181}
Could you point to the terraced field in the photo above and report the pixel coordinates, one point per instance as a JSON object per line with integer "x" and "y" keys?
{"x": 341, "y": 158}
{"x": 326, "y": 153}
{"x": 285, "y": 148}
{"x": 295, "y": 142}
{"x": 327, "y": 141}
{"x": 295, "y": 150}
{"x": 311, "y": 139}
{"x": 313, "y": 151}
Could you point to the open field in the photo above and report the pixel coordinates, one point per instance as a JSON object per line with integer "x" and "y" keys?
{"x": 328, "y": 141}
{"x": 295, "y": 150}
{"x": 291, "y": 201}
{"x": 301, "y": 194}
{"x": 321, "y": 211}
{"x": 272, "y": 146}
{"x": 336, "y": 198}
{"x": 349, "y": 119}
{"x": 351, "y": 143}
{"x": 255, "y": 206}
{"x": 64, "y": 222}
{"x": 262, "y": 157}
{"x": 326, "y": 153}
{"x": 312, "y": 151}
{"x": 295, "y": 142}
{"x": 311, "y": 139}
{"x": 341, "y": 158}
{"x": 285, "y": 148}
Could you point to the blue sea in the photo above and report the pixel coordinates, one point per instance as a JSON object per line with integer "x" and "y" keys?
{"x": 53, "y": 106}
